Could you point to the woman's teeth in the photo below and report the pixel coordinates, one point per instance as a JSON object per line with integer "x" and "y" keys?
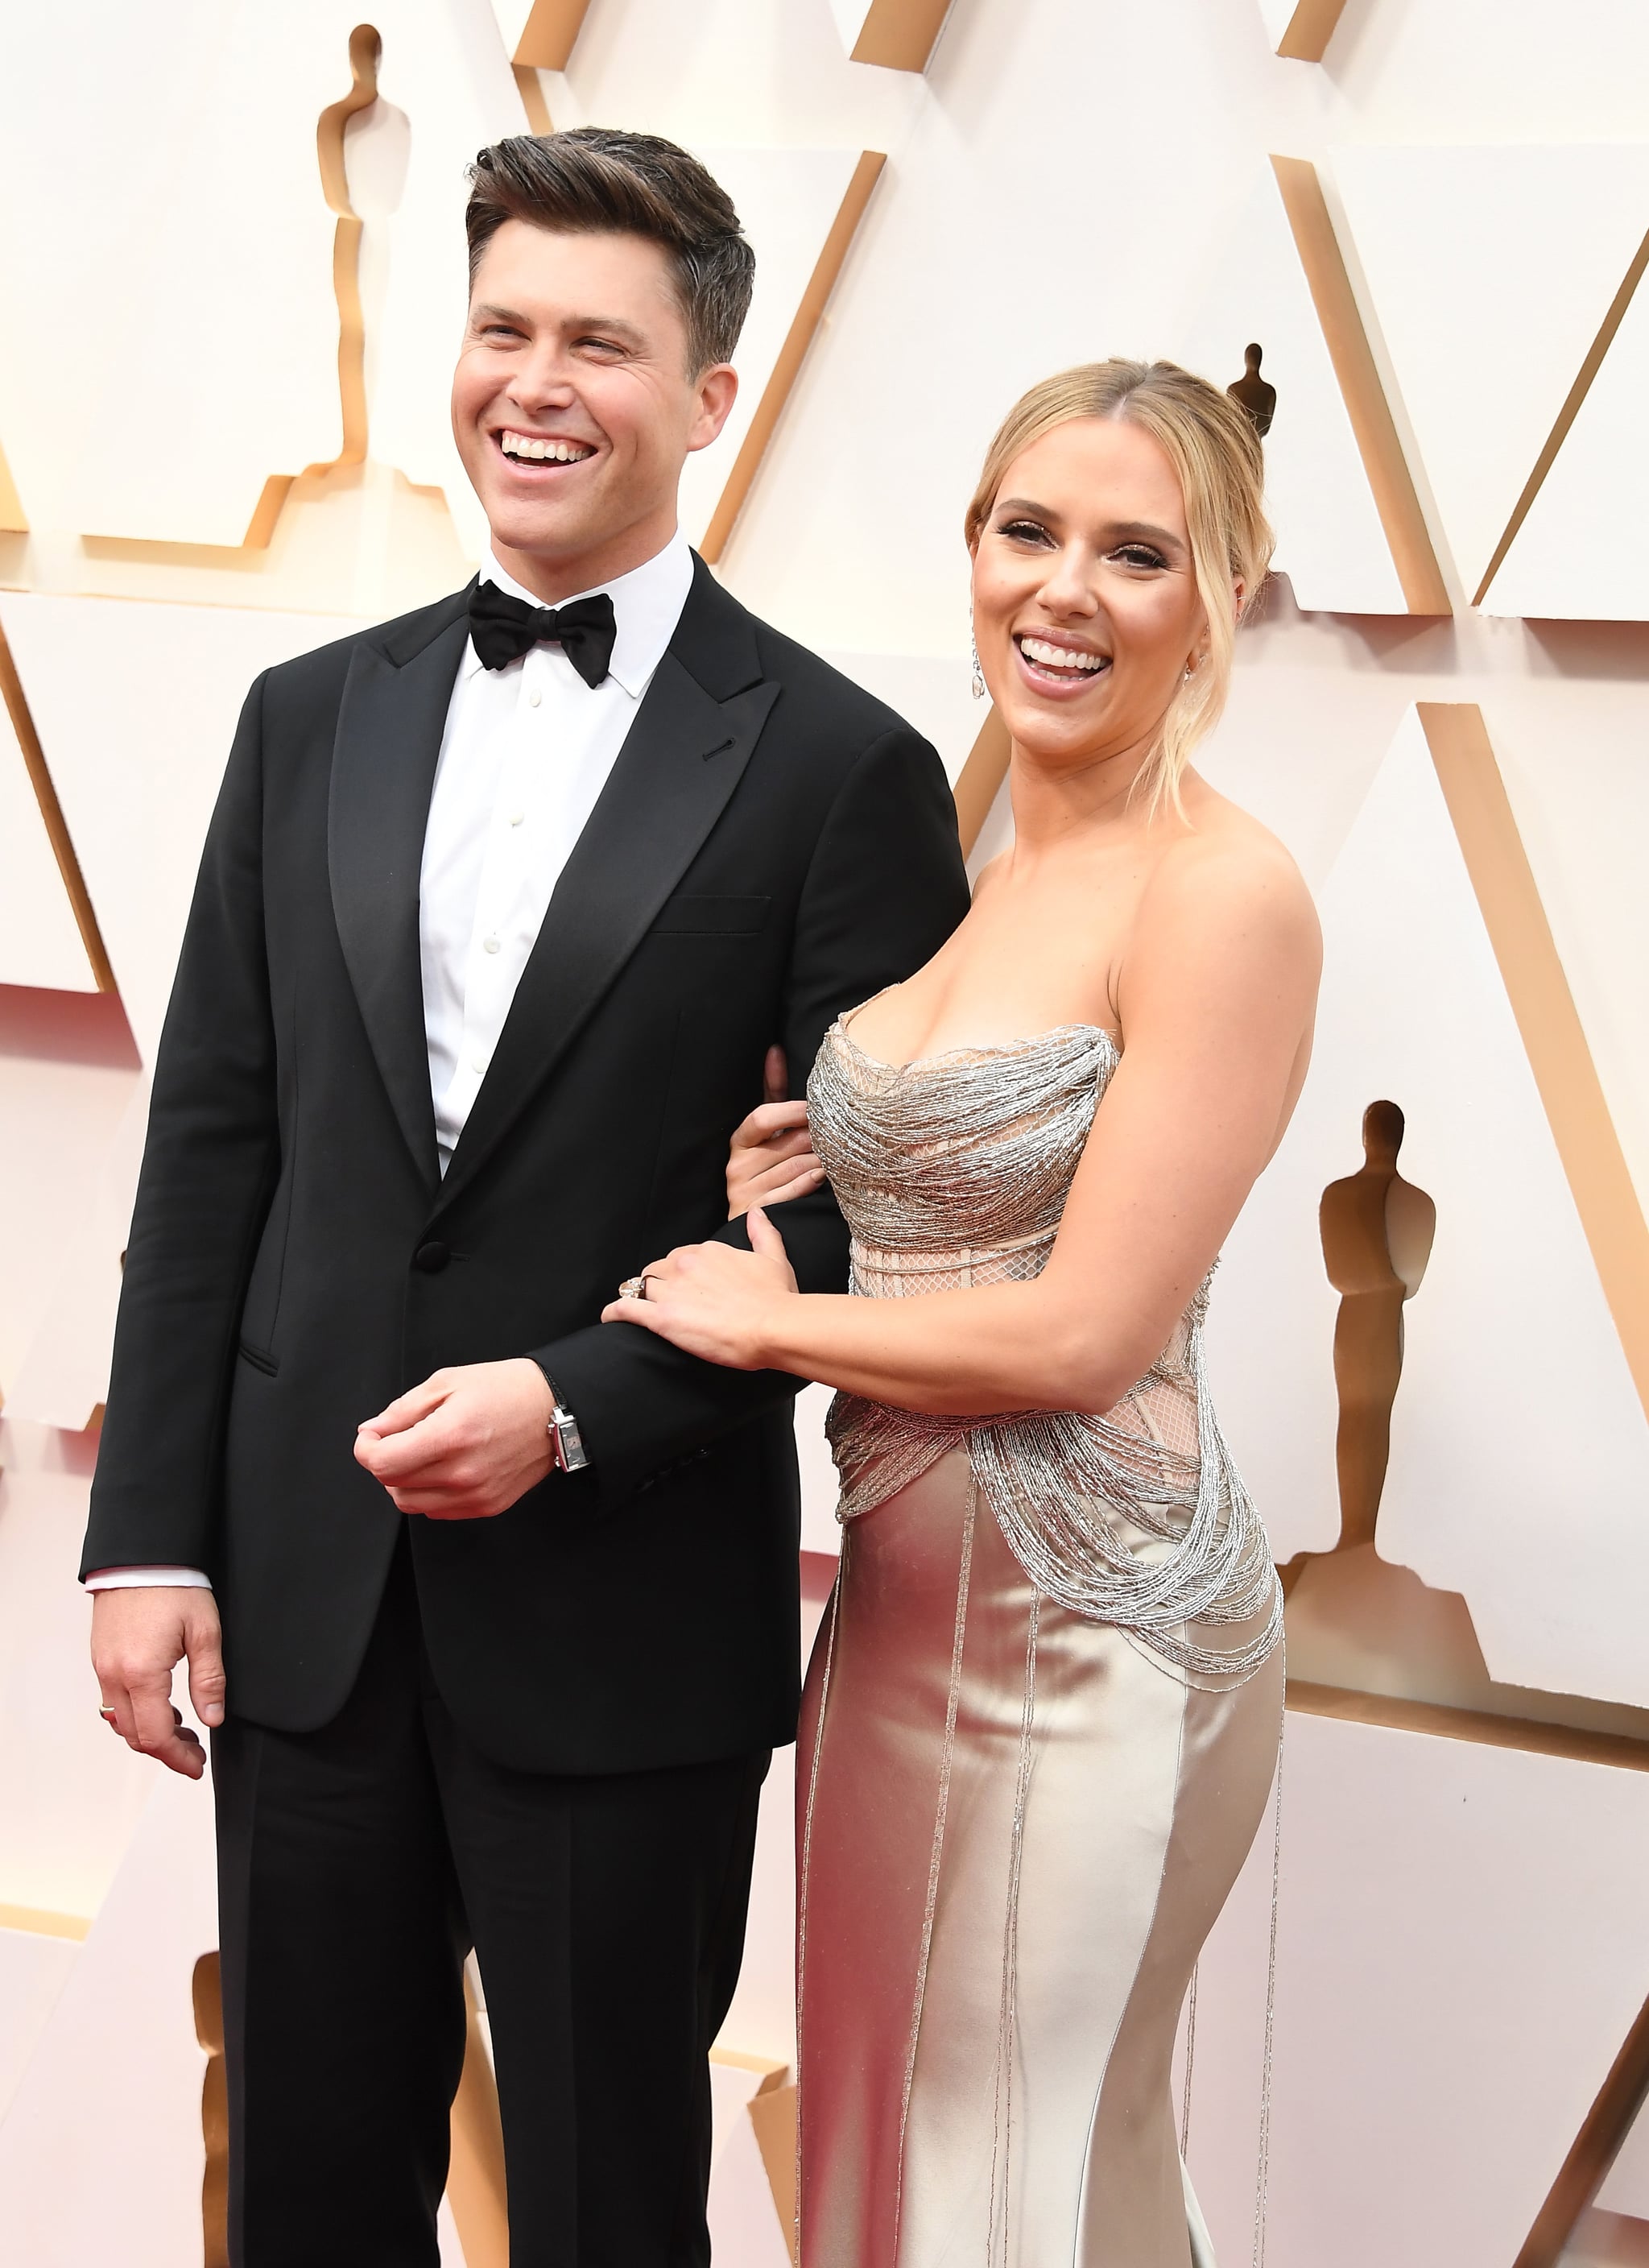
{"x": 1062, "y": 660}
{"x": 543, "y": 451}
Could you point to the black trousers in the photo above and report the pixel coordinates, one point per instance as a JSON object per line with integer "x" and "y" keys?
{"x": 356, "y": 1867}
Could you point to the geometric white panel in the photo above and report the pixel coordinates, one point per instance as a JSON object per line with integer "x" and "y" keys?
{"x": 209, "y": 260}
{"x": 1330, "y": 541}
{"x": 1490, "y": 271}
{"x": 743, "y": 2223}
{"x": 137, "y": 746}
{"x": 448, "y": 72}
{"x": 122, "y": 2032}
{"x": 787, "y": 201}
{"x": 34, "y": 1969}
{"x": 1580, "y": 553}
{"x": 70, "y": 1793}
{"x": 1460, "y": 1953}
{"x": 59, "y": 1124}
{"x": 1520, "y": 1451}
{"x": 40, "y": 938}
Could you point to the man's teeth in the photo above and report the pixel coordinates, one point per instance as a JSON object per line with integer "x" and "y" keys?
{"x": 1062, "y": 656}
{"x": 542, "y": 452}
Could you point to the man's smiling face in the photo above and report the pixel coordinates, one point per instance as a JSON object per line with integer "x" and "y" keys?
{"x": 574, "y": 405}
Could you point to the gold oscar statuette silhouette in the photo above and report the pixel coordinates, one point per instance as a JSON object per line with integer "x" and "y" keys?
{"x": 1255, "y": 395}
{"x": 1377, "y": 1234}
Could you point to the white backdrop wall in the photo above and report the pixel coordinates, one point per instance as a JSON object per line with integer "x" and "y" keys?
{"x": 1067, "y": 179}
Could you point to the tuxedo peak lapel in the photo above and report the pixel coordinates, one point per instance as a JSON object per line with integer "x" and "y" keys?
{"x": 684, "y": 755}
{"x": 390, "y": 723}
{"x": 715, "y": 640}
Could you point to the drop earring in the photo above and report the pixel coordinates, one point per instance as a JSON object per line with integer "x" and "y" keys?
{"x": 979, "y": 675}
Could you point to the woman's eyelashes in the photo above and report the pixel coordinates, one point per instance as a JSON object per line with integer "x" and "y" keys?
{"x": 1140, "y": 557}
{"x": 1024, "y": 531}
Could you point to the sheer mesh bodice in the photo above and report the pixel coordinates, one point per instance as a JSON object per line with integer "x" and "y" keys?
{"x": 953, "y": 1171}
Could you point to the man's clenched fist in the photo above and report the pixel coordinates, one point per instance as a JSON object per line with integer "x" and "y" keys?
{"x": 465, "y": 1445}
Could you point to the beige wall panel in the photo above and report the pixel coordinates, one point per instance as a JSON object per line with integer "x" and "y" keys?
{"x": 59, "y": 1122}
{"x": 744, "y": 2224}
{"x": 34, "y": 1967}
{"x": 1519, "y": 1449}
{"x": 788, "y": 201}
{"x": 1331, "y": 542}
{"x": 1580, "y": 553}
{"x": 70, "y": 1793}
{"x": 447, "y": 70}
{"x": 137, "y": 747}
{"x": 190, "y": 239}
{"x": 40, "y": 938}
{"x": 119, "y": 2060}
{"x": 1490, "y": 271}
{"x": 1441, "y": 2028}
{"x": 63, "y": 1378}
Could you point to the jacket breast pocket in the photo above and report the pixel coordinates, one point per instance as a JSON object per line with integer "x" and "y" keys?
{"x": 690, "y": 916}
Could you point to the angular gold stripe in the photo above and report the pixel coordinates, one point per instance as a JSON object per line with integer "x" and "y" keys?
{"x": 57, "y": 826}
{"x": 13, "y": 518}
{"x": 1389, "y": 479}
{"x": 1310, "y": 28}
{"x": 1567, "y": 415}
{"x": 1553, "y": 1038}
{"x": 547, "y": 40}
{"x": 900, "y": 34}
{"x": 981, "y": 777}
{"x": 791, "y": 354}
{"x": 34, "y": 1921}
{"x": 475, "y": 2178}
{"x": 1605, "y": 2127}
{"x": 530, "y": 87}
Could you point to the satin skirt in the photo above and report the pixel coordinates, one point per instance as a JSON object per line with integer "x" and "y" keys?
{"x": 1015, "y": 1828}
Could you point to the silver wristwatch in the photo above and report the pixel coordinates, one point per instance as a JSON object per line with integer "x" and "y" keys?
{"x": 566, "y": 1443}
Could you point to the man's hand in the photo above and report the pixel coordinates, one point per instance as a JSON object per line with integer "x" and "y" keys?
{"x": 465, "y": 1445}
{"x": 138, "y": 1637}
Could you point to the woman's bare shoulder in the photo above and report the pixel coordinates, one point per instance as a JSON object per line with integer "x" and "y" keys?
{"x": 1224, "y": 886}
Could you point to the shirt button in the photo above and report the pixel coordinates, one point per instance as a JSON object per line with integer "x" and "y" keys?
{"x": 489, "y": 945}
{"x": 516, "y": 817}
{"x": 478, "y": 1063}
{"x": 533, "y": 699}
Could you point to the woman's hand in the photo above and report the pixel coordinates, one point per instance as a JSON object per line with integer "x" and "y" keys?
{"x": 713, "y": 1301}
{"x": 771, "y": 1158}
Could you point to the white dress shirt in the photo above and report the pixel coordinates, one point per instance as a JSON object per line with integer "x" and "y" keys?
{"x": 526, "y": 753}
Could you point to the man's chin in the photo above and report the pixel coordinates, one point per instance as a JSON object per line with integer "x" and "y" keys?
{"x": 553, "y": 537}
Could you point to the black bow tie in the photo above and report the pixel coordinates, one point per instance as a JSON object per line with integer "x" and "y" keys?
{"x": 501, "y": 629}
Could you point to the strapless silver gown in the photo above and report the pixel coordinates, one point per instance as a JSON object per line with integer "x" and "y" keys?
{"x": 1040, "y": 1729}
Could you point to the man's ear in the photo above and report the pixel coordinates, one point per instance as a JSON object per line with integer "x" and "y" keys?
{"x": 718, "y": 389}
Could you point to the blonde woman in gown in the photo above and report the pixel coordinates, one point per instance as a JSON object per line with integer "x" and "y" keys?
{"x": 1043, "y": 1712}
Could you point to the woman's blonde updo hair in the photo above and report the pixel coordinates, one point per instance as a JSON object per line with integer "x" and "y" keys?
{"x": 1211, "y": 442}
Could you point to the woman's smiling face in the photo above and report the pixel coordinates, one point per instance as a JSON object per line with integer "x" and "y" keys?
{"x": 1086, "y": 607}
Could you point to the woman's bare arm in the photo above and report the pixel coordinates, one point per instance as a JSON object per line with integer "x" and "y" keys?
{"x": 1216, "y": 996}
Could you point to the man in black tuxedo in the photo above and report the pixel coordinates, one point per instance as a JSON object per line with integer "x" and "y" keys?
{"x": 501, "y": 908}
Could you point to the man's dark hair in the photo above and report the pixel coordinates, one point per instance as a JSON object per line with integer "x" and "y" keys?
{"x": 596, "y": 181}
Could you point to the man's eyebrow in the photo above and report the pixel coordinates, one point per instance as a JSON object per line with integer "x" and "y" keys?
{"x": 613, "y": 326}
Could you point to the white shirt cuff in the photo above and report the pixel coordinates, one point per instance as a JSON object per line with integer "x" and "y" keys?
{"x": 149, "y": 1579}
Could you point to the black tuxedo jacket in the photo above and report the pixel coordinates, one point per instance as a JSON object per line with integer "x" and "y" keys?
{"x": 773, "y": 846}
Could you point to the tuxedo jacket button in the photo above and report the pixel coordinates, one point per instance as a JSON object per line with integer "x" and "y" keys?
{"x": 431, "y": 1257}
